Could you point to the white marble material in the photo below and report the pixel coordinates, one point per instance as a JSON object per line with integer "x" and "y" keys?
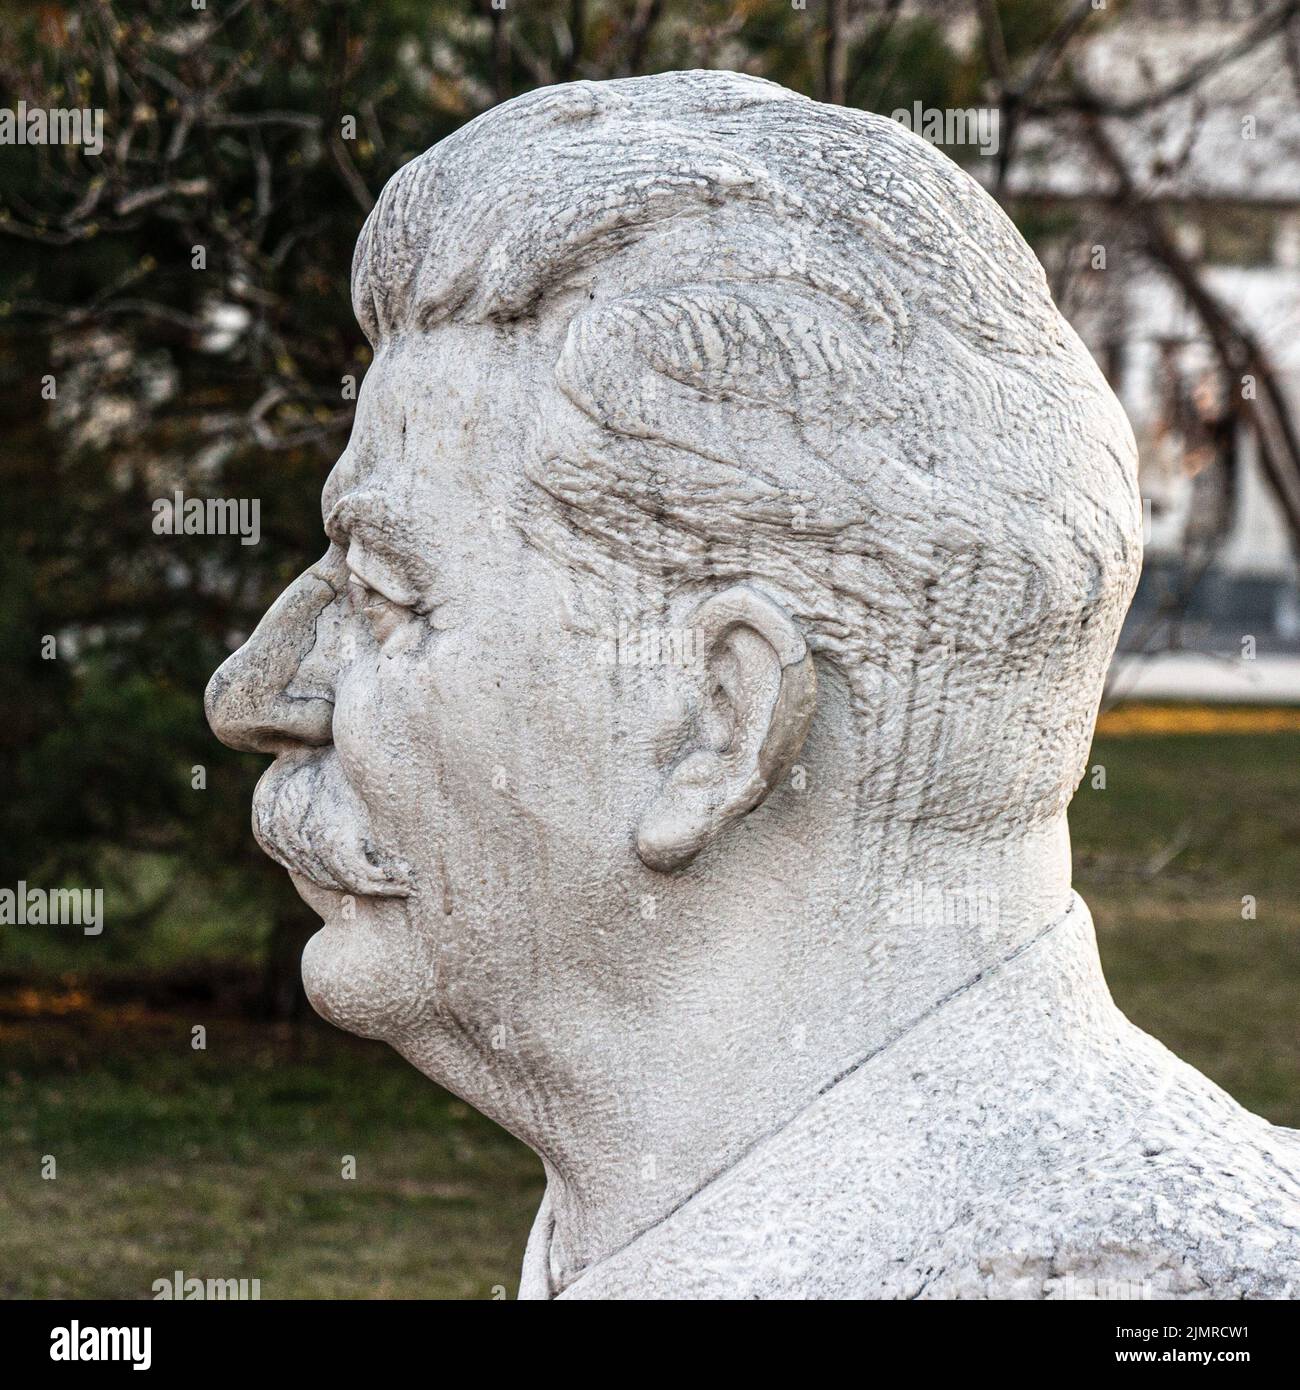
{"x": 676, "y": 737}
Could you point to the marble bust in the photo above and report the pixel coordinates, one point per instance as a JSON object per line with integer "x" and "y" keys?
{"x": 676, "y": 737}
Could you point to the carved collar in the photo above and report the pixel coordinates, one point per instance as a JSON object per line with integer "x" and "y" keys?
{"x": 1007, "y": 1075}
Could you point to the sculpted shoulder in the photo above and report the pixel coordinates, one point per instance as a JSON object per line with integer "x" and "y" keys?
{"x": 1201, "y": 1214}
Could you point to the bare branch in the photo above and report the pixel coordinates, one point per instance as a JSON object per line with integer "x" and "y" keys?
{"x": 835, "y": 70}
{"x": 1080, "y": 99}
{"x": 1240, "y": 352}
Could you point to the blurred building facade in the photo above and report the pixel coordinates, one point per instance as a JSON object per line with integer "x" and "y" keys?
{"x": 1219, "y": 159}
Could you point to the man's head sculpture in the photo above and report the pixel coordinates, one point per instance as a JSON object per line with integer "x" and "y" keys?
{"x": 723, "y": 570}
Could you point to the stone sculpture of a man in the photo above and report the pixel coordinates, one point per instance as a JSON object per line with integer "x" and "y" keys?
{"x": 676, "y": 737}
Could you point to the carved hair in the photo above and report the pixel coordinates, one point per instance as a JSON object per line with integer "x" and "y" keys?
{"x": 851, "y": 385}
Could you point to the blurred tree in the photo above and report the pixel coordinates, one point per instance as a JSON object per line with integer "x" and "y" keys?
{"x": 182, "y": 297}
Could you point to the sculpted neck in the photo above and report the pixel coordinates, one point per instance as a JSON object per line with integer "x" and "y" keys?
{"x": 776, "y": 1011}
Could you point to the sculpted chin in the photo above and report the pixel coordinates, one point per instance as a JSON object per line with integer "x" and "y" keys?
{"x": 676, "y": 736}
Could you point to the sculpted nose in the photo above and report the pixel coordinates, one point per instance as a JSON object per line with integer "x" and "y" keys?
{"x": 264, "y": 697}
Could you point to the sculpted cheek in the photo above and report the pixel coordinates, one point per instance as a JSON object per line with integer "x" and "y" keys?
{"x": 385, "y": 712}
{"x": 374, "y": 975}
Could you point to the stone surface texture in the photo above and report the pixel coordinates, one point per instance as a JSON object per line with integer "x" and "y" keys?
{"x": 676, "y": 737}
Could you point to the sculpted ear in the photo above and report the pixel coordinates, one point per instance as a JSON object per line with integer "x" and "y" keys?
{"x": 760, "y": 698}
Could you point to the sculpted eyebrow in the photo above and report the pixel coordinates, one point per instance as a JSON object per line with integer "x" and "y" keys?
{"x": 387, "y": 536}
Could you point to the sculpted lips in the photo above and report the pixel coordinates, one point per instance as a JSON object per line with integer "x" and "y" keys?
{"x": 310, "y": 821}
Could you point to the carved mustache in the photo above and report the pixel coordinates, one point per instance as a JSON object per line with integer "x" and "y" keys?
{"x": 307, "y": 817}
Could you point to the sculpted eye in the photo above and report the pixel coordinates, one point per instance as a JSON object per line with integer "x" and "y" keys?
{"x": 380, "y": 612}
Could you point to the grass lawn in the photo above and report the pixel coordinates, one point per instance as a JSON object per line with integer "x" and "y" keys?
{"x": 1186, "y": 828}
{"x": 227, "y": 1163}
